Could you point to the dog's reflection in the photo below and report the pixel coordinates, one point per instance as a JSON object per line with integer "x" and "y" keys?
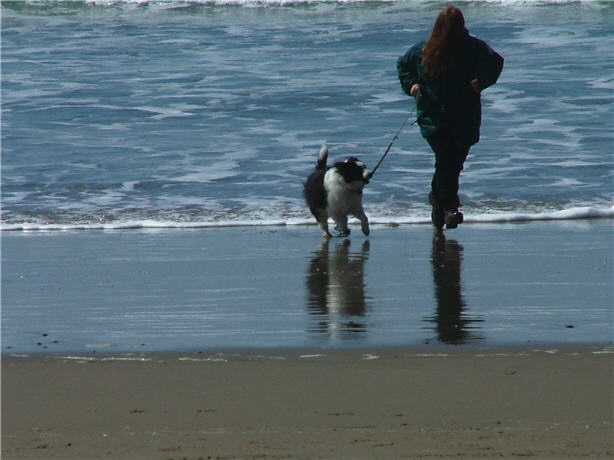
{"x": 336, "y": 289}
{"x": 452, "y": 325}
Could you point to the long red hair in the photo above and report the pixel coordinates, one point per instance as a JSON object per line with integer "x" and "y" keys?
{"x": 440, "y": 52}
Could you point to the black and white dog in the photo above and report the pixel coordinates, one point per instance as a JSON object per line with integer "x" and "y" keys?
{"x": 336, "y": 192}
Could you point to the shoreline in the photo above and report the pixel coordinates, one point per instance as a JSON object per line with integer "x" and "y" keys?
{"x": 419, "y": 350}
{"x": 571, "y": 215}
{"x": 341, "y": 404}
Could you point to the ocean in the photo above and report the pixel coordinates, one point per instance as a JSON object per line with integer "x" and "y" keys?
{"x": 195, "y": 113}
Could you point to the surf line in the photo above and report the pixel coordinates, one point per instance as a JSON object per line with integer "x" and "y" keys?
{"x": 396, "y": 136}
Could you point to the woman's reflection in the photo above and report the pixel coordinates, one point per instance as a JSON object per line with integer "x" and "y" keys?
{"x": 451, "y": 324}
{"x": 336, "y": 289}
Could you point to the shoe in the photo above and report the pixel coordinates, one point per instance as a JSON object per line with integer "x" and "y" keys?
{"x": 437, "y": 213}
{"x": 452, "y": 218}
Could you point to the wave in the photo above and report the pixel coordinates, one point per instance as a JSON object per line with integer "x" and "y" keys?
{"x": 571, "y": 214}
{"x": 310, "y": 2}
{"x": 584, "y": 212}
{"x": 42, "y": 5}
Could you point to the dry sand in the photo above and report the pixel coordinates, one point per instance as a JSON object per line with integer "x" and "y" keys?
{"x": 302, "y": 405}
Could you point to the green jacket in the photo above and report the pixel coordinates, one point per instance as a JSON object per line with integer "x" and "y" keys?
{"x": 452, "y": 102}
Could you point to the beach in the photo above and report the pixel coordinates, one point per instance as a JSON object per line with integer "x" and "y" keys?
{"x": 545, "y": 404}
{"x": 166, "y": 294}
{"x": 490, "y": 341}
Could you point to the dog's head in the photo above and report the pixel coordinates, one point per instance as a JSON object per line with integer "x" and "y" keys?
{"x": 353, "y": 170}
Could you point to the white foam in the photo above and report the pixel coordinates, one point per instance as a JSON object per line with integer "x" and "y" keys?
{"x": 258, "y": 220}
{"x": 584, "y": 212}
{"x": 217, "y": 171}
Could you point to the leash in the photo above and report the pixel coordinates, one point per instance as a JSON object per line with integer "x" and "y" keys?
{"x": 396, "y": 136}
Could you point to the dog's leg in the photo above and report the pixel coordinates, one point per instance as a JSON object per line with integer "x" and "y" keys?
{"x": 322, "y": 219}
{"x": 364, "y": 221}
{"x": 341, "y": 226}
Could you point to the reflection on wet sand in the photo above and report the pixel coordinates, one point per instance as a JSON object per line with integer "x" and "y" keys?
{"x": 336, "y": 289}
{"x": 452, "y": 325}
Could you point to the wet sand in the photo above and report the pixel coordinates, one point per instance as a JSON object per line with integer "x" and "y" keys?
{"x": 283, "y": 287}
{"x": 545, "y": 404}
{"x": 267, "y": 343}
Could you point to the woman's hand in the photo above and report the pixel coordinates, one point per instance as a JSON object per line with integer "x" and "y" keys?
{"x": 415, "y": 90}
{"x": 475, "y": 85}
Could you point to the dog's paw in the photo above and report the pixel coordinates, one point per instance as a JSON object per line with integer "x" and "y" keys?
{"x": 344, "y": 232}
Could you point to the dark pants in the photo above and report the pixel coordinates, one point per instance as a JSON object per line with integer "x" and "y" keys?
{"x": 449, "y": 160}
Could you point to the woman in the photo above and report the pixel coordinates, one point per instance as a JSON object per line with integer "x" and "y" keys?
{"x": 446, "y": 75}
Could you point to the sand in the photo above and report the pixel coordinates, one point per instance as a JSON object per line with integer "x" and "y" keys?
{"x": 267, "y": 343}
{"x": 546, "y": 404}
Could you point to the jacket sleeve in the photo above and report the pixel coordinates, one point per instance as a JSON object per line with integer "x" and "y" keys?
{"x": 489, "y": 64}
{"x": 407, "y": 68}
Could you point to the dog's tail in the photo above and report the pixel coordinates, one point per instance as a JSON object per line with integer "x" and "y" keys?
{"x": 322, "y": 157}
